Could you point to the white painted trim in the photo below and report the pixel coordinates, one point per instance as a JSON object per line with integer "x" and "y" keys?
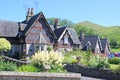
{"x": 62, "y": 34}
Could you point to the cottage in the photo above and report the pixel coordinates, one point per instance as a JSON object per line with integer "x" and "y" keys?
{"x": 105, "y": 46}
{"x": 91, "y": 42}
{"x": 67, "y": 38}
{"x": 29, "y": 36}
{"x": 34, "y": 34}
{"x": 94, "y": 43}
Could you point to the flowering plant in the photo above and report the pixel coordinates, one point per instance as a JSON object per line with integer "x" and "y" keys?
{"x": 52, "y": 58}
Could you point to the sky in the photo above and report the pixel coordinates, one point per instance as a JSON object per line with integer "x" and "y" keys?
{"x": 102, "y": 12}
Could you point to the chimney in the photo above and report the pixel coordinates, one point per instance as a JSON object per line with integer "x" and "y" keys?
{"x": 56, "y": 23}
{"x": 30, "y": 13}
{"x": 81, "y": 36}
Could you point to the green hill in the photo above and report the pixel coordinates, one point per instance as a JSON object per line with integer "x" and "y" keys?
{"x": 112, "y": 32}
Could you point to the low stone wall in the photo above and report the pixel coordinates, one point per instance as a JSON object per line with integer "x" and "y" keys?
{"x": 106, "y": 74}
{"x": 38, "y": 76}
{"x": 18, "y": 62}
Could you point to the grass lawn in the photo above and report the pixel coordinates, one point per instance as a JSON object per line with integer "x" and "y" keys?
{"x": 115, "y": 50}
{"x": 114, "y": 66}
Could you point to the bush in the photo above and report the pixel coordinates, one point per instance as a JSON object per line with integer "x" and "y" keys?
{"x": 8, "y": 66}
{"x": 4, "y": 44}
{"x": 49, "y": 48}
{"x": 1, "y": 64}
{"x": 103, "y": 64}
{"x": 27, "y": 68}
{"x": 47, "y": 60}
{"x": 70, "y": 57}
{"x": 115, "y": 60}
{"x": 118, "y": 69}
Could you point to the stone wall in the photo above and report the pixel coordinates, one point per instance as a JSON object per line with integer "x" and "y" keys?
{"x": 106, "y": 74}
{"x": 38, "y": 76}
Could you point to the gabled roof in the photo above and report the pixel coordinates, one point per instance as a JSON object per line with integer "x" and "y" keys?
{"x": 9, "y": 28}
{"x": 73, "y": 36}
{"x": 61, "y": 31}
{"x": 92, "y": 39}
{"x": 33, "y": 20}
{"x": 104, "y": 42}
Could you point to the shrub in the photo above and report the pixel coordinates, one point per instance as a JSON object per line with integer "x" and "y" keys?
{"x": 103, "y": 64}
{"x": 1, "y": 64}
{"x": 9, "y": 66}
{"x": 49, "y": 48}
{"x": 70, "y": 57}
{"x": 118, "y": 69}
{"x": 115, "y": 60}
{"x": 4, "y": 44}
{"x": 47, "y": 60}
{"x": 28, "y": 68}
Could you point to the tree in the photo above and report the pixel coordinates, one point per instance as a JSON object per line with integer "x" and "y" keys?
{"x": 4, "y": 44}
{"x": 62, "y": 22}
{"x": 113, "y": 43}
{"x": 87, "y": 31}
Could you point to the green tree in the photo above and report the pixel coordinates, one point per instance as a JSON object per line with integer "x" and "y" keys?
{"x": 4, "y": 44}
{"x": 62, "y": 22}
{"x": 87, "y": 31}
{"x": 113, "y": 43}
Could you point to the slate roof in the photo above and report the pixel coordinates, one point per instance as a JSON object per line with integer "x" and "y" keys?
{"x": 59, "y": 32}
{"x": 73, "y": 36}
{"x": 104, "y": 42}
{"x": 91, "y": 39}
{"x": 22, "y": 26}
{"x": 32, "y": 20}
{"x": 8, "y": 28}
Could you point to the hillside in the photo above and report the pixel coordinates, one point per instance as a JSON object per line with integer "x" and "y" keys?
{"x": 112, "y": 32}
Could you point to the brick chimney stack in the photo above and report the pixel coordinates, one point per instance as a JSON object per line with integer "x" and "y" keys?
{"x": 82, "y": 35}
{"x": 56, "y": 23}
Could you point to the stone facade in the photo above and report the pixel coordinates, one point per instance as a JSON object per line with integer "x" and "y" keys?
{"x": 38, "y": 76}
{"x": 106, "y": 74}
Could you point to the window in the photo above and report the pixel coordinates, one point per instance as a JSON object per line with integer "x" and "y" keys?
{"x": 42, "y": 47}
{"x": 65, "y": 39}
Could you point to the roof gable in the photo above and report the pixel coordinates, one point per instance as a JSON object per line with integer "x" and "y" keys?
{"x": 59, "y": 32}
{"x": 33, "y": 20}
{"x": 104, "y": 43}
{"x": 73, "y": 35}
{"x": 92, "y": 39}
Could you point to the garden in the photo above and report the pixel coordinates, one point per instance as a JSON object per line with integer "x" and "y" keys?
{"x": 53, "y": 61}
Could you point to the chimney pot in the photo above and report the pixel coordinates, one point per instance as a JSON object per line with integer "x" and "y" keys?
{"x": 32, "y": 12}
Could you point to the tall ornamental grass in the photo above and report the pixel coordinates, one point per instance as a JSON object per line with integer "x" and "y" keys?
{"x": 48, "y": 60}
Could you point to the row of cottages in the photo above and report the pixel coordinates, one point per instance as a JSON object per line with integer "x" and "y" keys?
{"x": 94, "y": 43}
{"x": 35, "y": 34}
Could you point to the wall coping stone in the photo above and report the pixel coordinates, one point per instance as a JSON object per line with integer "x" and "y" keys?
{"x": 40, "y": 74}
